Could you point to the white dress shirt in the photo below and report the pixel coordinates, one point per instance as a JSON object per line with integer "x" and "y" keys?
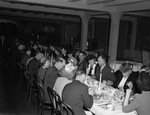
{"x": 93, "y": 69}
{"x": 123, "y": 81}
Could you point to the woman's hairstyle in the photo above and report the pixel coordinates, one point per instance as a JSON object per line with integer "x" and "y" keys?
{"x": 79, "y": 72}
{"x": 126, "y": 67}
{"x": 69, "y": 75}
{"x": 143, "y": 81}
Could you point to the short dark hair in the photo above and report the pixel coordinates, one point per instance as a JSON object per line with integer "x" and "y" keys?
{"x": 144, "y": 67}
{"x": 104, "y": 57}
{"x": 60, "y": 60}
{"x": 143, "y": 81}
{"x": 82, "y": 52}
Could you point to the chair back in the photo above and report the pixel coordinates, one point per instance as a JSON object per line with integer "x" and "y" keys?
{"x": 67, "y": 110}
{"x": 59, "y": 106}
{"x": 40, "y": 94}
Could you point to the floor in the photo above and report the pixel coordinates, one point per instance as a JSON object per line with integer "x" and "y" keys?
{"x": 13, "y": 95}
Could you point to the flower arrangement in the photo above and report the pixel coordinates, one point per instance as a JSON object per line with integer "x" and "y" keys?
{"x": 69, "y": 70}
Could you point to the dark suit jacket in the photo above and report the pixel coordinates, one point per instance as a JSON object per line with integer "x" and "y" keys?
{"x": 132, "y": 77}
{"x": 76, "y": 95}
{"x": 65, "y": 57}
{"x": 107, "y": 73}
{"x": 49, "y": 79}
{"x": 83, "y": 65}
{"x": 24, "y": 59}
{"x": 33, "y": 67}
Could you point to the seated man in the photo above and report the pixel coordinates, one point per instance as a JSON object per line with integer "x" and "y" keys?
{"x": 125, "y": 76}
{"x": 52, "y": 74}
{"x": 107, "y": 74}
{"x": 25, "y": 57}
{"x": 76, "y": 94}
{"x": 82, "y": 63}
{"x": 92, "y": 64}
{"x": 43, "y": 68}
{"x": 34, "y": 65}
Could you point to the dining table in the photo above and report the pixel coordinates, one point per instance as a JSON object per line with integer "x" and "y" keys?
{"x": 111, "y": 105}
{"x": 97, "y": 110}
{"x": 116, "y": 65}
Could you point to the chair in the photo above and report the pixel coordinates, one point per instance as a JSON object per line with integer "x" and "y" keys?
{"x": 42, "y": 105}
{"x": 20, "y": 74}
{"x": 67, "y": 109}
{"x": 31, "y": 86}
{"x": 59, "y": 107}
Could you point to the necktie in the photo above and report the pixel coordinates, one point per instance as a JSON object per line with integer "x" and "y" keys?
{"x": 90, "y": 72}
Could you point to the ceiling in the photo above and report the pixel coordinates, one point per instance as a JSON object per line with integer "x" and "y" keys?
{"x": 69, "y": 10}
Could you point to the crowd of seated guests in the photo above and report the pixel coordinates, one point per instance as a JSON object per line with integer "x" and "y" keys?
{"x": 48, "y": 63}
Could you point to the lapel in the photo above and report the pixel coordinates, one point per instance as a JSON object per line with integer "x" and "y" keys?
{"x": 120, "y": 76}
{"x": 97, "y": 69}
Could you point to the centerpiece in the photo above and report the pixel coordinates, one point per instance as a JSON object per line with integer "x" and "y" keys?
{"x": 69, "y": 69}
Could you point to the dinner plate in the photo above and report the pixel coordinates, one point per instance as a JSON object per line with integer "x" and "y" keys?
{"x": 101, "y": 102}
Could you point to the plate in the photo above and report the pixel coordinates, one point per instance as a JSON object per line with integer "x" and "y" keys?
{"x": 101, "y": 102}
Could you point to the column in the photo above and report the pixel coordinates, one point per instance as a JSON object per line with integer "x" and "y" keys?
{"x": 84, "y": 32}
{"x": 114, "y": 33}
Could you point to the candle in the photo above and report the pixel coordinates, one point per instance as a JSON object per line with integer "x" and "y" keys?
{"x": 100, "y": 80}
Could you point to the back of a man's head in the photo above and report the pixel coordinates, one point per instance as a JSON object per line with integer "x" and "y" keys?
{"x": 60, "y": 63}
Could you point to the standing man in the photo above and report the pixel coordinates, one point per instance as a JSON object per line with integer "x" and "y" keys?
{"x": 76, "y": 95}
{"x": 104, "y": 69}
{"x": 52, "y": 74}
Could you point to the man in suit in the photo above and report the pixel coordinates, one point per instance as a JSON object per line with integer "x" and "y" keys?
{"x": 91, "y": 66}
{"x": 107, "y": 73}
{"x": 64, "y": 54}
{"x": 34, "y": 65}
{"x": 76, "y": 94}
{"x": 126, "y": 78}
{"x": 82, "y": 63}
{"x": 25, "y": 57}
{"x": 52, "y": 74}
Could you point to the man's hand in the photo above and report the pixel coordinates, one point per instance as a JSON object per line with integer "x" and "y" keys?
{"x": 109, "y": 83}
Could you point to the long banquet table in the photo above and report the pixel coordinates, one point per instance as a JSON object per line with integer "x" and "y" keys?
{"x": 97, "y": 107}
{"x": 97, "y": 110}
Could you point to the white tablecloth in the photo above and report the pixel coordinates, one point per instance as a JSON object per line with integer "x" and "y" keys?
{"x": 97, "y": 110}
{"x": 116, "y": 64}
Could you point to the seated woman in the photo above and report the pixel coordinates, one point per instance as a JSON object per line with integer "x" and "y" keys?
{"x": 67, "y": 75}
{"x": 141, "y": 102}
{"x": 125, "y": 76}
